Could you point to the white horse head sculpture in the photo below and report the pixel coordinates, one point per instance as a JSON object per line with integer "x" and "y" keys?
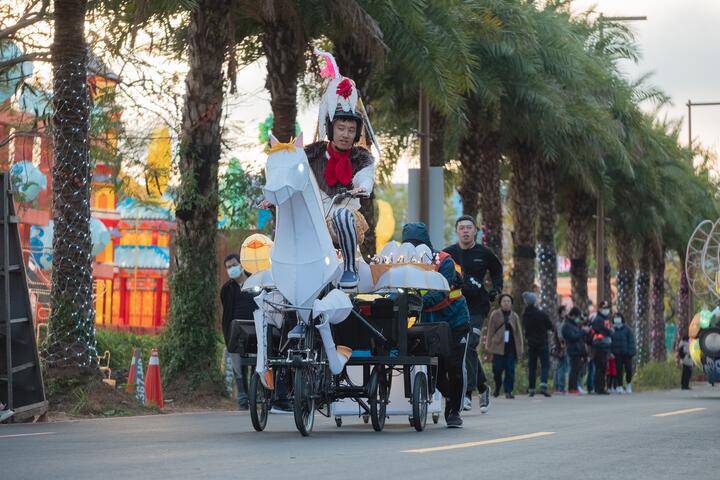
{"x": 303, "y": 257}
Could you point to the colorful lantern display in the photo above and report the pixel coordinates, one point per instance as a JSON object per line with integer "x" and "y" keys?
{"x": 255, "y": 253}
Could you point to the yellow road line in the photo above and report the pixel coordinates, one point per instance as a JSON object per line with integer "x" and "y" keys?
{"x": 481, "y": 443}
{"x": 26, "y": 434}
{"x": 679, "y": 412}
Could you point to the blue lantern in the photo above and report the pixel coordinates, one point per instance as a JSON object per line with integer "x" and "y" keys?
{"x": 27, "y": 180}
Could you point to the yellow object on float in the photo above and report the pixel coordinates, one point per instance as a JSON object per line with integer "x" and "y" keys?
{"x": 696, "y": 352}
{"x": 694, "y": 329}
{"x": 385, "y": 227}
{"x": 255, "y": 253}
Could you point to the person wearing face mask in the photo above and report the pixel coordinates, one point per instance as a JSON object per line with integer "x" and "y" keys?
{"x": 236, "y": 304}
{"x": 505, "y": 341}
{"x": 574, "y": 333}
{"x": 623, "y": 347}
{"x": 601, "y": 343}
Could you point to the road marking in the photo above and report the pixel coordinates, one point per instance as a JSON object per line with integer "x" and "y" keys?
{"x": 26, "y": 434}
{"x": 679, "y": 412}
{"x": 494, "y": 441}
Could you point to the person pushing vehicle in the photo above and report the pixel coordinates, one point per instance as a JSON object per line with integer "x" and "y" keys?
{"x": 450, "y": 307}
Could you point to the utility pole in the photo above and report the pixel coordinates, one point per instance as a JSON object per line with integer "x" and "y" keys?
{"x": 600, "y": 214}
{"x": 424, "y": 134}
{"x": 690, "y": 104}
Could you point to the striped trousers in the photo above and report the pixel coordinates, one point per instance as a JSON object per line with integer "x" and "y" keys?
{"x": 343, "y": 224}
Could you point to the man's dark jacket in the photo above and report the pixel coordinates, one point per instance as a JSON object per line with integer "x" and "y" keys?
{"x": 476, "y": 262}
{"x": 236, "y": 305}
{"x": 536, "y": 324}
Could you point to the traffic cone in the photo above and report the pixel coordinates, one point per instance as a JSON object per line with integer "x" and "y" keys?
{"x": 153, "y": 385}
{"x": 131, "y": 374}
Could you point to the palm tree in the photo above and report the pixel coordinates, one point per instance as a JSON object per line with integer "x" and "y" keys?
{"x": 642, "y": 306}
{"x": 547, "y": 254}
{"x": 657, "y": 303}
{"x": 189, "y": 341}
{"x": 71, "y": 340}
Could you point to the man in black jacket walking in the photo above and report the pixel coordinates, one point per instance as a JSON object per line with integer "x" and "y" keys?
{"x": 537, "y": 325}
{"x": 476, "y": 261}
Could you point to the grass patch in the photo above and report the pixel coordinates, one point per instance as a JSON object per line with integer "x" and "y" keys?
{"x": 91, "y": 397}
{"x": 121, "y": 345}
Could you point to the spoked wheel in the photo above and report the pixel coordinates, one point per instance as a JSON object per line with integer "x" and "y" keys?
{"x": 420, "y": 401}
{"x": 379, "y": 399}
{"x": 259, "y": 403}
{"x": 304, "y": 400}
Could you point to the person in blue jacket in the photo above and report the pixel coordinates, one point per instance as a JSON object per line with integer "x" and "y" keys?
{"x": 623, "y": 347}
{"x": 449, "y": 307}
{"x": 573, "y": 333}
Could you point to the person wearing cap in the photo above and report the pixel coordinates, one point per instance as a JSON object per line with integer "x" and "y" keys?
{"x": 450, "y": 307}
{"x": 476, "y": 262}
{"x": 537, "y": 325}
{"x": 505, "y": 341}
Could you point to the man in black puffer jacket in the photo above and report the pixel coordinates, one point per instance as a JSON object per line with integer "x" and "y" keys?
{"x": 574, "y": 336}
{"x": 536, "y": 324}
{"x": 601, "y": 342}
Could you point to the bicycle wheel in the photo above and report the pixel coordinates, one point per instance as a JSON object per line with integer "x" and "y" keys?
{"x": 379, "y": 399}
{"x": 304, "y": 400}
{"x": 259, "y": 403}
{"x": 420, "y": 401}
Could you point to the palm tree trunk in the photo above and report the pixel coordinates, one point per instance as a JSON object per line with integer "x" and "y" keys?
{"x": 71, "y": 346}
{"x": 578, "y": 227}
{"x": 547, "y": 221}
{"x": 284, "y": 55}
{"x": 683, "y": 310}
{"x": 625, "y": 280}
{"x": 657, "y": 325}
{"x": 479, "y": 156}
{"x": 523, "y": 192}
{"x": 642, "y": 306}
{"x": 607, "y": 273}
{"x": 190, "y": 341}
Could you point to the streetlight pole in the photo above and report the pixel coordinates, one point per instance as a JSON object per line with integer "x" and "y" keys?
{"x": 424, "y": 134}
{"x": 690, "y": 104}
{"x": 600, "y": 213}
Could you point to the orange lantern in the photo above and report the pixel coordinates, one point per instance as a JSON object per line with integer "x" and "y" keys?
{"x": 255, "y": 253}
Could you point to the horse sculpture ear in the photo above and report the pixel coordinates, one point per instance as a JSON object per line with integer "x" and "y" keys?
{"x": 273, "y": 141}
{"x": 299, "y": 141}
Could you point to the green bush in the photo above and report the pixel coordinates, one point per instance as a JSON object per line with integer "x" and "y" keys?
{"x": 121, "y": 344}
{"x": 657, "y": 376}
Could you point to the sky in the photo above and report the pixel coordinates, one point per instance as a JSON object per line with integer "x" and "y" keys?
{"x": 679, "y": 44}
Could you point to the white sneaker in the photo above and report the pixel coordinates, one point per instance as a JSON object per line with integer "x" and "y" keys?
{"x": 467, "y": 403}
{"x": 629, "y": 388}
{"x": 5, "y": 414}
{"x": 582, "y": 391}
{"x": 620, "y": 390}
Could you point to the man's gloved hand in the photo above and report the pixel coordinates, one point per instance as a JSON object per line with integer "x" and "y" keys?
{"x": 469, "y": 288}
{"x": 492, "y": 294}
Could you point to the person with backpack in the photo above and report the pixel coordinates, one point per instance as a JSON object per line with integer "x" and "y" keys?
{"x": 450, "y": 307}
{"x": 623, "y": 348}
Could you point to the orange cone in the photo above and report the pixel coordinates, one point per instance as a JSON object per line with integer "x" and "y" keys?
{"x": 153, "y": 385}
{"x": 131, "y": 373}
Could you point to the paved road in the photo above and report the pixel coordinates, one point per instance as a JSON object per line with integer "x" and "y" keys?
{"x": 615, "y": 437}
